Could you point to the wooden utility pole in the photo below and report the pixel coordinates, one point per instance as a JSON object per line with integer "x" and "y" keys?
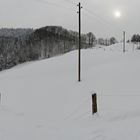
{"x": 124, "y": 41}
{"x": 79, "y": 49}
{"x": 94, "y": 104}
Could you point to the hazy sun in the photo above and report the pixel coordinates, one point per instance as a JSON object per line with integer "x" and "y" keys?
{"x": 117, "y": 14}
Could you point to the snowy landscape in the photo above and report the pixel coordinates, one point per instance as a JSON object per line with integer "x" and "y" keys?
{"x": 42, "y": 100}
{"x": 69, "y": 70}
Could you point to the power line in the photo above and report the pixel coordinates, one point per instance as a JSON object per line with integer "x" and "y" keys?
{"x": 97, "y": 16}
{"x": 91, "y": 13}
{"x": 110, "y": 27}
{"x": 70, "y": 2}
{"x": 87, "y": 15}
{"x": 99, "y": 20}
{"x": 102, "y": 20}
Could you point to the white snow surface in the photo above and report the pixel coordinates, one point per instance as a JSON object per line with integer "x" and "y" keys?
{"x": 42, "y": 100}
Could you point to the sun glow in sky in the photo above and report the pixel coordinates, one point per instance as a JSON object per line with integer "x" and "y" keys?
{"x": 100, "y": 16}
{"x": 117, "y": 14}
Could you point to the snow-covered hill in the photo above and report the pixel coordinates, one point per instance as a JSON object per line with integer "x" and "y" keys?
{"x": 42, "y": 100}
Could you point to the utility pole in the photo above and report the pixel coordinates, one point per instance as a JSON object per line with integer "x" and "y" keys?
{"x": 79, "y": 49}
{"x": 124, "y": 41}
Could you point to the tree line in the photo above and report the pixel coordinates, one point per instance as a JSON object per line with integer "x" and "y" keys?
{"x": 22, "y": 45}
{"x": 107, "y": 41}
{"x": 135, "y": 38}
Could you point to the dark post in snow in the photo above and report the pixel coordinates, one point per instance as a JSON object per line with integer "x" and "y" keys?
{"x": 94, "y": 103}
{"x": 79, "y": 49}
{"x": 124, "y": 41}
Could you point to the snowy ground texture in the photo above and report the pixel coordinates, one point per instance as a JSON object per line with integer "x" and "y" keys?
{"x": 42, "y": 100}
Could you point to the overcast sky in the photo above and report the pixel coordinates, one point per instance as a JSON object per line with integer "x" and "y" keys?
{"x": 97, "y": 15}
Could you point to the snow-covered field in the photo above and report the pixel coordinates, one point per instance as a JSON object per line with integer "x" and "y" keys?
{"x": 42, "y": 100}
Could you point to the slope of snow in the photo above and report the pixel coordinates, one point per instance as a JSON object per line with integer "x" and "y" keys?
{"x": 42, "y": 100}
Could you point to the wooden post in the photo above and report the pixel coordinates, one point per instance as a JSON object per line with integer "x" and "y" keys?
{"x": 94, "y": 103}
{"x": 124, "y": 41}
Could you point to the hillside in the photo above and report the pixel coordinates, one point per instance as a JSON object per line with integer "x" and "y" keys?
{"x": 22, "y": 45}
{"x": 42, "y": 100}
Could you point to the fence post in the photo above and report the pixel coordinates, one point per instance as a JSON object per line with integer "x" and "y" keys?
{"x": 94, "y": 103}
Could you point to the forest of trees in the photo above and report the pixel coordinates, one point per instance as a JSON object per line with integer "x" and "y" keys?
{"x": 135, "y": 38}
{"x": 107, "y": 42}
{"x": 21, "y": 45}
